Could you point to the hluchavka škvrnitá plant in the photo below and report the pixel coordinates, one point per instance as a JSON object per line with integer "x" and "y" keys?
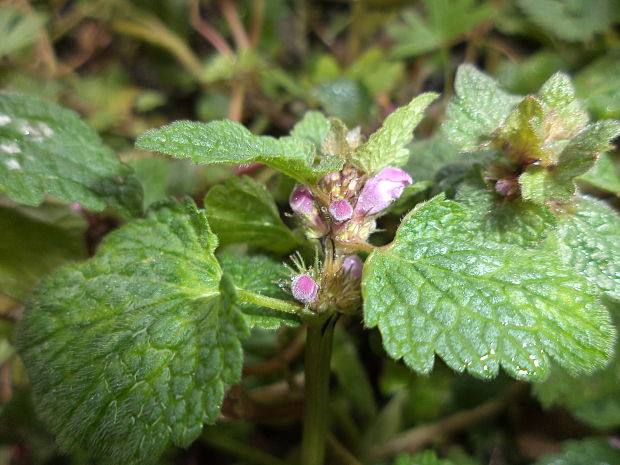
{"x": 136, "y": 347}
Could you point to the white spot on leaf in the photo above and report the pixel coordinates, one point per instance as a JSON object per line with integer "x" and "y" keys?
{"x": 12, "y": 164}
{"x": 46, "y": 130}
{"x": 4, "y": 120}
{"x": 10, "y": 147}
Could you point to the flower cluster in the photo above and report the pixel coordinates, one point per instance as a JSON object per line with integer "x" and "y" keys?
{"x": 347, "y": 203}
{"x": 343, "y": 208}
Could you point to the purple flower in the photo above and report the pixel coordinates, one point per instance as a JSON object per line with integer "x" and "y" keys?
{"x": 304, "y": 288}
{"x": 341, "y": 210}
{"x": 302, "y": 200}
{"x": 381, "y": 190}
{"x": 353, "y": 266}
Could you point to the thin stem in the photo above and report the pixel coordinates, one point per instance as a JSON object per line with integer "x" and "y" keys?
{"x": 240, "y": 36}
{"x": 414, "y": 439}
{"x": 316, "y": 391}
{"x": 280, "y": 361}
{"x": 235, "y": 108}
{"x": 206, "y": 31}
{"x": 344, "y": 456}
{"x": 269, "y": 302}
{"x": 258, "y": 13}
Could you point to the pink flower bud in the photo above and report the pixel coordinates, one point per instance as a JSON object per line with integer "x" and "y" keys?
{"x": 353, "y": 265}
{"x": 302, "y": 203}
{"x": 302, "y": 200}
{"x": 341, "y": 210}
{"x": 304, "y": 288}
{"x": 507, "y": 187}
{"x": 381, "y": 190}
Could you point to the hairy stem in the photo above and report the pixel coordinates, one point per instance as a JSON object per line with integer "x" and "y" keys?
{"x": 269, "y": 302}
{"x": 316, "y": 391}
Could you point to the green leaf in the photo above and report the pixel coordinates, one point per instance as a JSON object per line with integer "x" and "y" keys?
{"x": 314, "y": 126}
{"x": 600, "y": 93}
{"x": 447, "y": 21}
{"x": 593, "y": 400}
{"x": 45, "y": 148}
{"x": 337, "y": 140}
{"x": 558, "y": 95}
{"x": 386, "y": 146}
{"x": 573, "y": 21}
{"x": 18, "y": 29}
{"x": 352, "y": 377}
{"x": 478, "y": 108}
{"x": 427, "y": 457}
{"x": 153, "y": 174}
{"x": 582, "y": 151}
{"x": 587, "y": 451}
{"x": 429, "y": 155}
{"x": 136, "y": 346}
{"x": 31, "y": 247}
{"x": 528, "y": 74}
{"x": 588, "y": 239}
{"x": 603, "y": 175}
{"x": 376, "y": 71}
{"x": 230, "y": 142}
{"x": 540, "y": 184}
{"x": 522, "y": 137}
{"x": 515, "y": 221}
{"x": 440, "y": 288}
{"x": 242, "y": 210}
{"x": 261, "y": 275}
{"x": 344, "y": 98}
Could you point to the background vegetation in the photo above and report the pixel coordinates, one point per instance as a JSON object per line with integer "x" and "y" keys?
{"x": 126, "y": 66}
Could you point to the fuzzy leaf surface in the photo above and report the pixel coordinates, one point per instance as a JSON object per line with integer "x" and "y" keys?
{"x": 243, "y": 210}
{"x": 541, "y": 185}
{"x": 478, "y": 108}
{"x": 386, "y": 146}
{"x": 136, "y": 346}
{"x": 230, "y": 142}
{"x": 259, "y": 274}
{"x": 588, "y": 239}
{"x": 516, "y": 221}
{"x": 314, "y": 126}
{"x": 558, "y": 94}
{"x": 45, "y": 148}
{"x": 440, "y": 289}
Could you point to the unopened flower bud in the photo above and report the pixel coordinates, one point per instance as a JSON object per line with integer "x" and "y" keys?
{"x": 341, "y": 210}
{"x": 381, "y": 190}
{"x": 507, "y": 187}
{"x": 302, "y": 200}
{"x": 302, "y": 203}
{"x": 353, "y": 265}
{"x": 304, "y": 288}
